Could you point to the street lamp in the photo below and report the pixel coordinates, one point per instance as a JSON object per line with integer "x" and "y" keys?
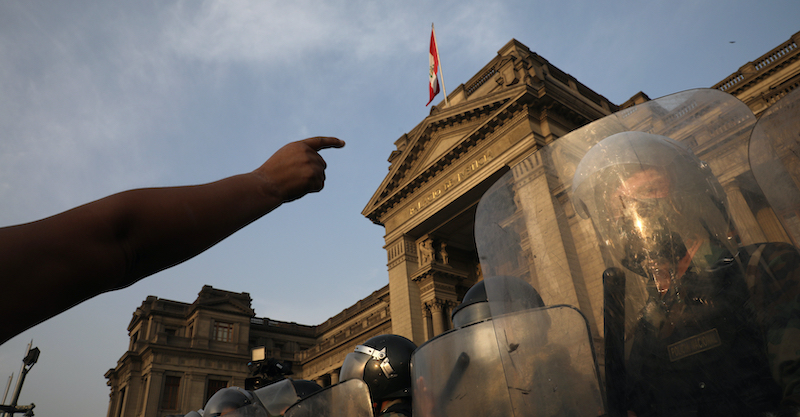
{"x": 27, "y": 363}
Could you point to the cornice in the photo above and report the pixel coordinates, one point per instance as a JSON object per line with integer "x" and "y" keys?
{"x": 765, "y": 66}
{"x": 192, "y": 351}
{"x": 438, "y": 270}
{"x": 363, "y": 305}
{"x": 333, "y": 344}
{"x": 213, "y": 305}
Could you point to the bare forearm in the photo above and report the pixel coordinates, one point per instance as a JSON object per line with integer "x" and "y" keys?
{"x": 50, "y": 265}
{"x": 165, "y": 226}
{"x": 113, "y": 242}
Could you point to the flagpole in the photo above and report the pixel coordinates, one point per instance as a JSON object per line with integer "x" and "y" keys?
{"x": 441, "y": 70}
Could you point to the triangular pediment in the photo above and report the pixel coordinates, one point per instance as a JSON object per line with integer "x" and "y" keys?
{"x": 516, "y": 80}
{"x": 469, "y": 107}
{"x": 443, "y": 140}
{"x": 435, "y": 141}
{"x": 225, "y": 304}
{"x": 220, "y": 300}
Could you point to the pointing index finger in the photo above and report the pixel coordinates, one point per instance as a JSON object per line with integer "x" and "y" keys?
{"x": 323, "y": 142}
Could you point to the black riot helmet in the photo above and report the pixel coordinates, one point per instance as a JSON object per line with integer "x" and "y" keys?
{"x": 384, "y": 363}
{"x": 513, "y": 293}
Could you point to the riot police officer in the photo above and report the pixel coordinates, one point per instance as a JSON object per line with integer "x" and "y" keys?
{"x": 708, "y": 339}
{"x": 515, "y": 293}
{"x": 383, "y": 362}
{"x": 503, "y": 358}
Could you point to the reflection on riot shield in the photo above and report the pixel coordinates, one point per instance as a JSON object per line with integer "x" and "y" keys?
{"x": 775, "y": 158}
{"x": 543, "y": 366}
{"x": 277, "y": 397}
{"x": 660, "y": 199}
{"x": 271, "y": 400}
{"x": 345, "y": 399}
{"x": 234, "y": 402}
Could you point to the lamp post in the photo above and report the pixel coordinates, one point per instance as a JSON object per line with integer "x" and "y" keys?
{"x": 27, "y": 363}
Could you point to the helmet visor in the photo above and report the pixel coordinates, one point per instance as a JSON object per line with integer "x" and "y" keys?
{"x": 353, "y": 366}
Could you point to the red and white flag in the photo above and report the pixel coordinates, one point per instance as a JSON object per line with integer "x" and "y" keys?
{"x": 433, "y": 60}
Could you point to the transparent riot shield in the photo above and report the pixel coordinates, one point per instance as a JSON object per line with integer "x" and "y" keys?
{"x": 543, "y": 367}
{"x": 775, "y": 158}
{"x": 345, "y": 399}
{"x": 277, "y": 397}
{"x": 234, "y": 402}
{"x": 650, "y": 222}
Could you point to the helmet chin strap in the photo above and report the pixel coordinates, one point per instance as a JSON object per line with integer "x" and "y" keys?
{"x": 378, "y": 355}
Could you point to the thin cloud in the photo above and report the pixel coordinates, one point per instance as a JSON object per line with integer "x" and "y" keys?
{"x": 274, "y": 34}
{"x": 77, "y": 100}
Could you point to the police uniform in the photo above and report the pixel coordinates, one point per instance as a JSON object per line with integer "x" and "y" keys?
{"x": 723, "y": 342}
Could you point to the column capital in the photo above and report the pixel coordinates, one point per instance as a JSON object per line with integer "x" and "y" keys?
{"x": 438, "y": 304}
{"x": 401, "y": 249}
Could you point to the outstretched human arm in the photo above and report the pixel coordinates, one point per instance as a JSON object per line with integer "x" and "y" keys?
{"x": 50, "y": 265}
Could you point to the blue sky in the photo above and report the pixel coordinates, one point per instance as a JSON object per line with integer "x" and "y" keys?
{"x": 99, "y": 97}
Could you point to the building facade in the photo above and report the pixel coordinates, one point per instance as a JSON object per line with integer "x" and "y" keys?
{"x": 516, "y": 104}
{"x": 182, "y": 353}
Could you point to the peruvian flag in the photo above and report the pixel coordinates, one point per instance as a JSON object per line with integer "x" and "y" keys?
{"x": 433, "y": 60}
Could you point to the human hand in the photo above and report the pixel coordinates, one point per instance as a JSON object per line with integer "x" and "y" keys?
{"x": 297, "y": 169}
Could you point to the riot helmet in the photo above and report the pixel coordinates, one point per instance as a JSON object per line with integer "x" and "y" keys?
{"x": 514, "y": 293}
{"x": 383, "y": 362}
{"x": 652, "y": 200}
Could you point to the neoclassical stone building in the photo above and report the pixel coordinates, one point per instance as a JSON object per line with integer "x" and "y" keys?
{"x": 516, "y": 104}
{"x": 180, "y": 353}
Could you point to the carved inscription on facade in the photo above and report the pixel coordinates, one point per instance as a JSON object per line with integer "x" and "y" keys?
{"x": 445, "y": 186}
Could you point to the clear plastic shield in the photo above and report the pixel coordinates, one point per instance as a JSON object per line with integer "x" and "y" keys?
{"x": 775, "y": 158}
{"x": 345, "y": 399}
{"x": 234, "y": 402}
{"x": 277, "y": 397}
{"x": 658, "y": 238}
{"x": 552, "y": 370}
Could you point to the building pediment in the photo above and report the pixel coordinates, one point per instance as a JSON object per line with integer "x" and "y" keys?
{"x": 220, "y": 300}
{"x": 435, "y": 144}
{"x": 515, "y": 80}
{"x": 228, "y": 305}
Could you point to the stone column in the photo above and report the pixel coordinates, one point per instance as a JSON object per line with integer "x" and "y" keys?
{"x": 195, "y": 390}
{"x": 153, "y": 393}
{"x": 406, "y": 307}
{"x": 112, "y": 403}
{"x": 773, "y": 229}
{"x": 428, "y": 323}
{"x": 548, "y": 233}
{"x": 438, "y": 310}
{"x": 116, "y": 405}
{"x": 746, "y": 225}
